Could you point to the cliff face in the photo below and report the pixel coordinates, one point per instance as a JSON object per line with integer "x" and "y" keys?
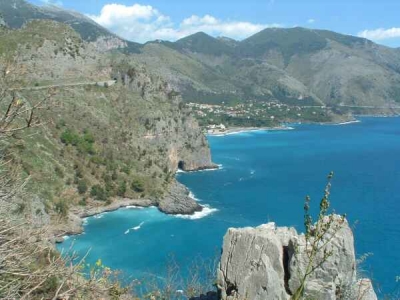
{"x": 177, "y": 130}
{"x": 262, "y": 263}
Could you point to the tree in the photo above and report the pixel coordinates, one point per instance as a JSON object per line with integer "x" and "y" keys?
{"x": 137, "y": 185}
{"x": 98, "y": 193}
{"x": 82, "y": 187}
{"x": 122, "y": 189}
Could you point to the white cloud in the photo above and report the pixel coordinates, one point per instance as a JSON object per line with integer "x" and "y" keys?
{"x": 143, "y": 23}
{"x": 311, "y": 21}
{"x": 380, "y": 34}
{"x": 53, "y": 2}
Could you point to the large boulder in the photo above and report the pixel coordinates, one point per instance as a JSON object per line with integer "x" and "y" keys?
{"x": 268, "y": 262}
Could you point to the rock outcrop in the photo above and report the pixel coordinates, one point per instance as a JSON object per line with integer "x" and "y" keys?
{"x": 177, "y": 201}
{"x": 267, "y": 262}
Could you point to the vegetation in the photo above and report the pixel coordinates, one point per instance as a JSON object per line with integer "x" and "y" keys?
{"x": 318, "y": 235}
{"x": 258, "y": 114}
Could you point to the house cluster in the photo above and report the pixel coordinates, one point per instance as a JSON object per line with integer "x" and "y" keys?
{"x": 271, "y": 110}
{"x": 213, "y": 128}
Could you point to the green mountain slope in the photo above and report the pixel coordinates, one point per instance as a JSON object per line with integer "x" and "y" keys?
{"x": 295, "y": 66}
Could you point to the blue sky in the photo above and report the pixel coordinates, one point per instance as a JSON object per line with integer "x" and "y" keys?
{"x": 172, "y": 19}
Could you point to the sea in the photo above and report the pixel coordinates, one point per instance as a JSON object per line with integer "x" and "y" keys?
{"x": 264, "y": 176}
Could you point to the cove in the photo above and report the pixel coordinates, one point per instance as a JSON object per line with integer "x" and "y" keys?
{"x": 265, "y": 176}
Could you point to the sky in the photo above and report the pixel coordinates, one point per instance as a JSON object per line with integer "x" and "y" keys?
{"x": 145, "y": 20}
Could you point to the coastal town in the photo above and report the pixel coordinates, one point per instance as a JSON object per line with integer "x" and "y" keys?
{"x": 218, "y": 118}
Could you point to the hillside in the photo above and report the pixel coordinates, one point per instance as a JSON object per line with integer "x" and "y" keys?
{"x": 99, "y": 143}
{"x": 296, "y": 66}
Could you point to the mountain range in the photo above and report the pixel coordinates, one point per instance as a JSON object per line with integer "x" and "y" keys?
{"x": 293, "y": 65}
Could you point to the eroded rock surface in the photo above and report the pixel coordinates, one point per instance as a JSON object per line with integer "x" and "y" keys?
{"x": 177, "y": 201}
{"x": 261, "y": 263}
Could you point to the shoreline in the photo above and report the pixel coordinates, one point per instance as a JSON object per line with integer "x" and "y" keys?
{"x": 181, "y": 196}
{"x": 237, "y": 130}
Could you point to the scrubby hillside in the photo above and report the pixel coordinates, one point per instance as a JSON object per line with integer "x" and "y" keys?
{"x": 112, "y": 129}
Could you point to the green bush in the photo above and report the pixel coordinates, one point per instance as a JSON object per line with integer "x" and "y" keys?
{"x": 137, "y": 185}
{"x": 121, "y": 189}
{"x": 98, "y": 193}
{"x": 84, "y": 144}
{"x": 70, "y": 137}
{"x": 82, "y": 187}
{"x": 88, "y": 137}
{"x": 82, "y": 202}
{"x": 59, "y": 171}
{"x": 61, "y": 208}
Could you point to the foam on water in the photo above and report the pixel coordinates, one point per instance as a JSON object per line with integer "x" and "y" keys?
{"x": 253, "y": 130}
{"x": 134, "y": 228}
{"x": 138, "y": 227}
{"x": 206, "y": 211}
{"x": 347, "y": 123}
{"x": 133, "y": 207}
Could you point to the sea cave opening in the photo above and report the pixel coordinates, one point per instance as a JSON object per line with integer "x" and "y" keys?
{"x": 181, "y": 165}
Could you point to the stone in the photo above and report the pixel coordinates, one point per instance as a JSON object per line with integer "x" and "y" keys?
{"x": 177, "y": 201}
{"x": 267, "y": 262}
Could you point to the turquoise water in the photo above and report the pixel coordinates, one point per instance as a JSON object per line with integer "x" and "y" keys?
{"x": 264, "y": 177}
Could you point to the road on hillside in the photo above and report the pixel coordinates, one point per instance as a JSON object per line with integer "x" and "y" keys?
{"x": 98, "y": 83}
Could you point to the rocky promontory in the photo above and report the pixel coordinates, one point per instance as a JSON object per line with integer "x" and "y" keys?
{"x": 178, "y": 201}
{"x": 268, "y": 262}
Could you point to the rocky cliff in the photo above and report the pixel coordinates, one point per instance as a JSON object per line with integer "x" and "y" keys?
{"x": 267, "y": 262}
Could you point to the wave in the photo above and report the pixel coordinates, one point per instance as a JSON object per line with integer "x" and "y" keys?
{"x": 133, "y": 207}
{"x": 66, "y": 237}
{"x": 348, "y": 122}
{"x": 253, "y": 130}
{"x": 192, "y": 196}
{"x": 207, "y": 210}
{"x": 138, "y": 227}
{"x": 220, "y": 167}
{"x": 134, "y": 228}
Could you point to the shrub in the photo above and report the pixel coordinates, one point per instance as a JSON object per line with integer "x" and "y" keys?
{"x": 61, "y": 207}
{"x": 82, "y": 187}
{"x": 59, "y": 172}
{"x": 82, "y": 202}
{"x": 137, "y": 185}
{"x": 98, "y": 193}
{"x": 121, "y": 189}
{"x": 88, "y": 137}
{"x": 69, "y": 137}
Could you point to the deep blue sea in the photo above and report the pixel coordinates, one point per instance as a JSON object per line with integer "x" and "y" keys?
{"x": 265, "y": 176}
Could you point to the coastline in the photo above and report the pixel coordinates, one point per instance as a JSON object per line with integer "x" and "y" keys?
{"x": 179, "y": 201}
{"x": 237, "y": 130}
